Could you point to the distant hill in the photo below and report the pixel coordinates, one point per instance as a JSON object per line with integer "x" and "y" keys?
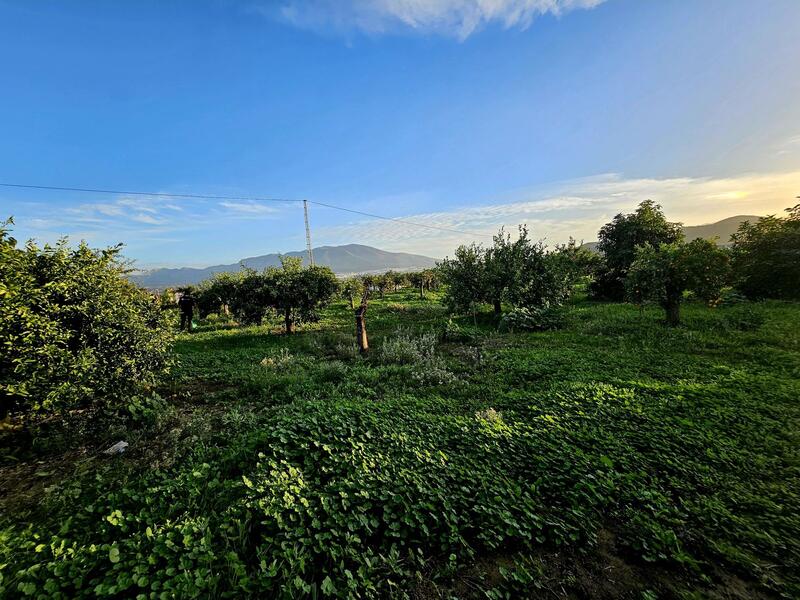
{"x": 723, "y": 230}
{"x": 343, "y": 260}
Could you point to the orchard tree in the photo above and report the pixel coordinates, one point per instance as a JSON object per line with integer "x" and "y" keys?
{"x": 383, "y": 282}
{"x": 352, "y": 288}
{"x": 392, "y": 279}
{"x": 619, "y": 239}
{"x": 520, "y": 272}
{"x": 662, "y": 274}
{"x": 504, "y": 265}
{"x": 575, "y": 260}
{"x": 298, "y": 293}
{"x": 766, "y": 257}
{"x": 73, "y": 330}
{"x": 253, "y": 294}
{"x": 465, "y": 278}
{"x": 421, "y": 280}
{"x": 217, "y": 293}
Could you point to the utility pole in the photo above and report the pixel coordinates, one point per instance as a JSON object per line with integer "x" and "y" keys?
{"x": 308, "y": 235}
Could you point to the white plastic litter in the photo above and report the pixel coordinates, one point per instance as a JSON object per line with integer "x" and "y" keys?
{"x": 117, "y": 448}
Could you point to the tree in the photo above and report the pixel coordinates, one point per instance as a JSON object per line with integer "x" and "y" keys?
{"x": 393, "y": 279}
{"x": 427, "y": 279}
{"x": 766, "y": 257}
{"x": 576, "y": 261}
{"x": 618, "y": 241}
{"x": 383, "y": 282}
{"x": 352, "y": 288}
{"x": 518, "y": 272}
{"x": 503, "y": 267}
{"x": 662, "y": 274}
{"x": 298, "y": 293}
{"x": 465, "y": 278}
{"x": 253, "y": 295}
{"x": 73, "y": 330}
{"x": 217, "y": 293}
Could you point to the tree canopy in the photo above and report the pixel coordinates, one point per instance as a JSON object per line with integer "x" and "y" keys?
{"x": 766, "y": 257}
{"x": 662, "y": 274}
{"x": 73, "y": 330}
{"x": 619, "y": 239}
{"x": 519, "y": 272}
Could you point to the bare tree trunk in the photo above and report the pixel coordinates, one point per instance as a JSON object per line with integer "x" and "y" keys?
{"x": 361, "y": 326}
{"x": 421, "y": 291}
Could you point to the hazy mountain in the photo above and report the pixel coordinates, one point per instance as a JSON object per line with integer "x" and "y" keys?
{"x": 343, "y": 260}
{"x": 721, "y": 229}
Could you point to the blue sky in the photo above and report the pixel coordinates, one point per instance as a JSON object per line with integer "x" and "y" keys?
{"x": 468, "y": 114}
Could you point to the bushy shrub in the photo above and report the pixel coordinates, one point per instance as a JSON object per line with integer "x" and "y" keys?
{"x": 532, "y": 319}
{"x": 419, "y": 351}
{"x": 405, "y": 348}
{"x": 519, "y": 272}
{"x": 73, "y": 330}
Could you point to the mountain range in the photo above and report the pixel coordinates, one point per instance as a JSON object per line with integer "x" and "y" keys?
{"x": 357, "y": 258}
{"x": 723, "y": 230}
{"x": 342, "y": 260}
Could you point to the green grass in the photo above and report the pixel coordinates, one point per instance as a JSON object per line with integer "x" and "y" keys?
{"x": 613, "y": 457}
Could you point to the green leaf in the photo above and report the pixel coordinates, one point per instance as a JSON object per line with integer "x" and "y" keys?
{"x": 327, "y": 586}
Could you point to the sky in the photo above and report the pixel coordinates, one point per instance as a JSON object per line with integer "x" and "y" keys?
{"x": 463, "y": 114}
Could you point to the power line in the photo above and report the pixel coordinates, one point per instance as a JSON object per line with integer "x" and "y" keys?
{"x": 249, "y": 198}
{"x": 128, "y": 193}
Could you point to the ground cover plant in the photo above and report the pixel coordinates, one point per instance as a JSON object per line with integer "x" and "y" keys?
{"x": 607, "y": 457}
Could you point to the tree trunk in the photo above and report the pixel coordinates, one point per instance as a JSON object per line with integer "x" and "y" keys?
{"x": 672, "y": 307}
{"x": 497, "y": 308}
{"x": 673, "y": 310}
{"x": 289, "y": 322}
{"x": 352, "y": 303}
{"x": 421, "y": 291}
{"x": 361, "y": 329}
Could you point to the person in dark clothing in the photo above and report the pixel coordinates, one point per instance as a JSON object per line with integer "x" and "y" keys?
{"x": 186, "y": 306}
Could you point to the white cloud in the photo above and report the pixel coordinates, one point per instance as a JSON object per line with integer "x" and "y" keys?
{"x": 577, "y": 208}
{"x": 457, "y": 18}
{"x": 248, "y": 208}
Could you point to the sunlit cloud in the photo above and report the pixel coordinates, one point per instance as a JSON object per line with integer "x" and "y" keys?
{"x": 454, "y": 18}
{"x": 577, "y": 209}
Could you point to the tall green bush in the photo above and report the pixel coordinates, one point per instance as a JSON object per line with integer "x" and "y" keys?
{"x": 519, "y": 272}
{"x": 73, "y": 330}
{"x": 766, "y": 257}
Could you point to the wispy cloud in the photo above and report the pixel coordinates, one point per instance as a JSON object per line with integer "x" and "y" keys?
{"x": 455, "y": 18}
{"x": 789, "y": 146}
{"x": 577, "y": 209}
{"x": 249, "y": 208}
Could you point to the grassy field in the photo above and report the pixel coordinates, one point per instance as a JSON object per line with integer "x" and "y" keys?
{"x": 611, "y": 458}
